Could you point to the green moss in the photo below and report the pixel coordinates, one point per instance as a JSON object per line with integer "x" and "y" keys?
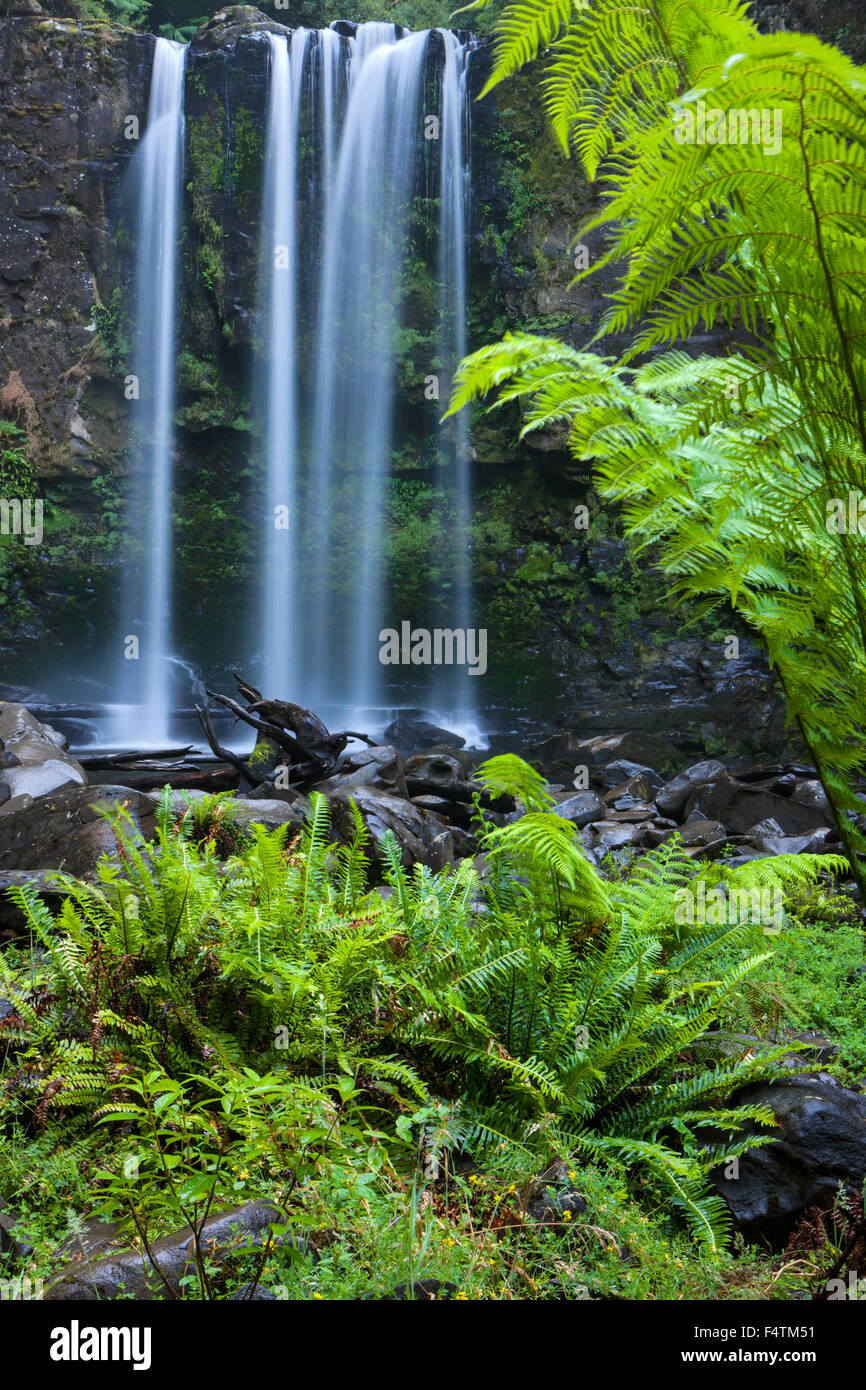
{"x": 114, "y": 330}
{"x": 246, "y": 160}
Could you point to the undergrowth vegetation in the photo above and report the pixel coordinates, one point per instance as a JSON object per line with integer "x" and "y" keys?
{"x": 226, "y": 1016}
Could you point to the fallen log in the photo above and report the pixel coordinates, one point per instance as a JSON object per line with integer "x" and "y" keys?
{"x": 311, "y": 752}
{"x": 97, "y": 762}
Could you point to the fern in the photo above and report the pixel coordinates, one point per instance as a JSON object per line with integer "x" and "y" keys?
{"x": 508, "y": 773}
{"x": 731, "y": 486}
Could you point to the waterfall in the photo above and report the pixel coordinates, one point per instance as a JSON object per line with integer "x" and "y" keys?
{"x": 454, "y": 455}
{"x": 342, "y": 224}
{"x": 328, "y": 449}
{"x": 156, "y": 173}
{"x": 279, "y": 606}
{"x": 363, "y": 241}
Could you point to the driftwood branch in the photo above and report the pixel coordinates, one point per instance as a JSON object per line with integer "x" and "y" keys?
{"x": 311, "y": 751}
{"x": 225, "y": 754}
{"x": 279, "y": 736}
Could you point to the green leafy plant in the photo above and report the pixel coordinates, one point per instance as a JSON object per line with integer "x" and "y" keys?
{"x": 253, "y": 1009}
{"x": 732, "y": 468}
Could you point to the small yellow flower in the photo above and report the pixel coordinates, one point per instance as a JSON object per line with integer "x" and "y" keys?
{"x": 464, "y": 1297}
{"x": 566, "y": 1216}
{"x": 317, "y": 1295}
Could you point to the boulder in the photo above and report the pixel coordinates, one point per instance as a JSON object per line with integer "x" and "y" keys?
{"x": 580, "y": 809}
{"x": 637, "y": 813}
{"x": 414, "y": 733}
{"x": 34, "y": 762}
{"x": 656, "y": 831}
{"x": 442, "y": 767}
{"x": 109, "y": 1270}
{"x": 416, "y": 830}
{"x": 809, "y": 792}
{"x": 465, "y": 843}
{"x": 609, "y": 835}
{"x": 741, "y": 806}
{"x": 367, "y": 767}
{"x": 820, "y": 1146}
{"x": 11, "y": 919}
{"x": 250, "y": 1293}
{"x": 765, "y": 829}
{"x": 636, "y": 788}
{"x": 247, "y": 810}
{"x": 552, "y": 1193}
{"x": 816, "y": 843}
{"x": 699, "y": 832}
{"x": 672, "y": 797}
{"x": 440, "y": 854}
{"x": 459, "y": 754}
{"x": 620, "y": 770}
{"x": 66, "y": 829}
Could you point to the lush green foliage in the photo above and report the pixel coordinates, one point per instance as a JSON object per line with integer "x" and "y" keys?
{"x": 247, "y": 1016}
{"x": 16, "y": 477}
{"x": 731, "y": 466}
{"x": 179, "y": 19}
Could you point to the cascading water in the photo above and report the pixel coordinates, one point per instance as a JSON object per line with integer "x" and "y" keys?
{"x": 454, "y": 454}
{"x": 367, "y": 95}
{"x": 363, "y": 248}
{"x": 156, "y": 171}
{"x": 342, "y": 204}
{"x": 279, "y": 616}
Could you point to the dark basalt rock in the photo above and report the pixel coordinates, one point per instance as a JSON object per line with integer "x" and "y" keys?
{"x": 12, "y": 920}
{"x": 33, "y": 760}
{"x": 741, "y": 806}
{"x": 370, "y": 767}
{"x": 552, "y": 1194}
{"x": 581, "y": 809}
{"x": 674, "y": 794}
{"x": 417, "y": 831}
{"x": 415, "y": 734}
{"x": 700, "y": 832}
{"x": 821, "y": 1145}
{"x": 620, "y": 770}
{"x": 66, "y": 830}
{"x": 110, "y": 1271}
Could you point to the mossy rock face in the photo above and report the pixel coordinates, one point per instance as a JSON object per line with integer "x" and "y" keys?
{"x": 226, "y": 115}
{"x": 67, "y": 90}
{"x": 232, "y": 23}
